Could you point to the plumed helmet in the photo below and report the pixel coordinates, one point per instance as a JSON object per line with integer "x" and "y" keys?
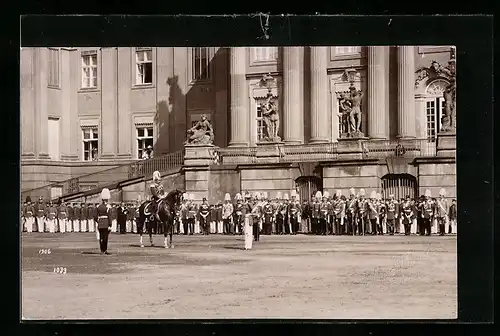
{"x": 285, "y": 196}
{"x": 293, "y": 193}
{"x": 326, "y": 194}
{"x": 237, "y": 197}
{"x": 361, "y": 192}
{"x": 248, "y": 195}
{"x": 373, "y": 194}
{"x": 279, "y": 195}
{"x": 156, "y": 175}
{"x": 428, "y": 193}
{"x": 318, "y": 194}
{"x": 28, "y": 199}
{"x": 185, "y": 196}
{"x": 105, "y": 194}
{"x": 264, "y": 195}
{"x": 338, "y": 193}
{"x": 352, "y": 191}
{"x": 227, "y": 197}
{"x": 442, "y": 192}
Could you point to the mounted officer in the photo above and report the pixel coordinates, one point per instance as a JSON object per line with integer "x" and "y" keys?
{"x": 157, "y": 194}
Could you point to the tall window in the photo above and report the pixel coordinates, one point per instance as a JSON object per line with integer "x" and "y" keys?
{"x": 144, "y": 139}
{"x": 434, "y": 108}
{"x": 200, "y": 63}
{"x": 260, "y": 123}
{"x": 347, "y": 50}
{"x": 89, "y": 71}
{"x": 53, "y": 76}
{"x": 144, "y": 66}
{"x": 265, "y": 54}
{"x": 90, "y": 144}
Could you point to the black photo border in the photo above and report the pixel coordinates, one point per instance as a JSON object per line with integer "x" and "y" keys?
{"x": 473, "y": 36}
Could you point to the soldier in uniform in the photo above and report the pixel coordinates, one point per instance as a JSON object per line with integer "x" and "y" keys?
{"x": 315, "y": 213}
{"x": 130, "y": 217}
{"x": 76, "y": 217}
{"x": 442, "y": 211}
{"x": 91, "y": 209}
{"x": 427, "y": 213}
{"x": 103, "y": 219}
{"x": 351, "y": 212}
{"x": 227, "y": 214}
{"x": 51, "y": 217}
{"x": 83, "y": 217}
{"x": 212, "y": 218}
{"x": 323, "y": 213}
{"x": 256, "y": 211}
{"x": 362, "y": 212}
{"x": 452, "y": 217}
{"x": 122, "y": 218}
{"x": 294, "y": 213}
{"x": 69, "y": 217}
{"x": 372, "y": 213}
{"x": 62, "y": 214}
{"x": 407, "y": 219}
{"x": 114, "y": 216}
{"x": 184, "y": 213}
{"x": 382, "y": 214}
{"x": 305, "y": 216}
{"x": 204, "y": 212}
{"x": 414, "y": 208}
{"x": 339, "y": 213}
{"x": 330, "y": 218}
{"x": 392, "y": 214}
{"x": 137, "y": 214}
{"x": 40, "y": 214}
{"x": 278, "y": 218}
{"x": 28, "y": 214}
{"x": 268, "y": 215}
{"x": 191, "y": 215}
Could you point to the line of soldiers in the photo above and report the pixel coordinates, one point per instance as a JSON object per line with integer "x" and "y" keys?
{"x": 50, "y": 217}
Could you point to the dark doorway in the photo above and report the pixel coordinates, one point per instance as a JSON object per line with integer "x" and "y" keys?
{"x": 399, "y": 185}
{"x": 307, "y": 186}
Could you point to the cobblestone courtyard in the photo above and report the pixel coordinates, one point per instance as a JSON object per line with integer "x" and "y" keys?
{"x": 327, "y": 277}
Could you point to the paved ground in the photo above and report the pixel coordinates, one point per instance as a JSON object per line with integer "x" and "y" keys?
{"x": 213, "y": 277}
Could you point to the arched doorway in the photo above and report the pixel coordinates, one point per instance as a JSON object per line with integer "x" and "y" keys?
{"x": 307, "y": 186}
{"x": 399, "y": 185}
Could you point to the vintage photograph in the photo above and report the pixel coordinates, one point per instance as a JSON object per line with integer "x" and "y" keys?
{"x": 269, "y": 182}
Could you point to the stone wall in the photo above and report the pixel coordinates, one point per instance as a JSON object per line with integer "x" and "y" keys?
{"x": 270, "y": 179}
{"x": 222, "y": 181}
{"x": 346, "y": 176}
{"x": 434, "y": 176}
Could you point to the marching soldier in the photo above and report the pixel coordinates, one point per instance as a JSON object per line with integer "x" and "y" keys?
{"x": 339, "y": 213}
{"x": 362, "y": 212}
{"x": 62, "y": 215}
{"x": 191, "y": 216}
{"x": 382, "y": 213}
{"x": 407, "y": 215}
{"x": 372, "y": 213}
{"x": 351, "y": 207}
{"x": 442, "y": 211}
{"x": 203, "y": 213}
{"x": 323, "y": 214}
{"x": 227, "y": 215}
{"x": 268, "y": 216}
{"x": 392, "y": 214}
{"x": 452, "y": 217}
{"x": 29, "y": 211}
{"x": 293, "y": 214}
{"x": 103, "y": 219}
{"x": 427, "y": 213}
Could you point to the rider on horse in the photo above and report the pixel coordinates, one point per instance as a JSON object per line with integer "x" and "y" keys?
{"x": 157, "y": 192}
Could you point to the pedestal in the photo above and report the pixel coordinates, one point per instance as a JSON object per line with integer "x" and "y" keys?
{"x": 268, "y": 152}
{"x": 199, "y": 155}
{"x": 351, "y": 148}
{"x": 447, "y": 144}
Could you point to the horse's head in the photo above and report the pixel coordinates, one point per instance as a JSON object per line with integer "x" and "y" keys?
{"x": 174, "y": 197}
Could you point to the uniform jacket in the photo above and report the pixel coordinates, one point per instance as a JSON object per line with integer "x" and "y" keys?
{"x": 381, "y": 208}
{"x": 452, "y": 213}
{"x": 91, "y": 211}
{"x": 227, "y": 210}
{"x": 372, "y": 209}
{"x": 130, "y": 212}
{"x": 84, "y": 212}
{"x": 428, "y": 209}
{"x": 103, "y": 216}
{"x": 184, "y": 211}
{"x": 29, "y": 211}
{"x": 407, "y": 211}
{"x": 352, "y": 206}
{"x": 294, "y": 209}
{"x": 315, "y": 209}
{"x": 204, "y": 211}
{"x": 392, "y": 208}
{"x": 40, "y": 209}
{"x": 76, "y": 213}
{"x": 114, "y": 212}
{"x": 441, "y": 208}
{"x": 363, "y": 208}
{"x": 70, "y": 212}
{"x": 157, "y": 190}
{"x": 305, "y": 211}
{"x": 339, "y": 209}
{"x": 51, "y": 212}
{"x": 191, "y": 210}
{"x": 213, "y": 213}
{"x": 122, "y": 213}
{"x": 62, "y": 212}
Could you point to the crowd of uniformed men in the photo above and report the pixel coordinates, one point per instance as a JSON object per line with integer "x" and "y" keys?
{"x": 326, "y": 214}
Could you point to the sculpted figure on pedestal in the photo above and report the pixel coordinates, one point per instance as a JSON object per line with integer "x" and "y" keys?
{"x": 271, "y": 119}
{"x": 201, "y": 133}
{"x": 350, "y": 105}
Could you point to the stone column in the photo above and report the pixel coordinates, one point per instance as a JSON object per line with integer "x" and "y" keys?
{"x": 108, "y": 137}
{"x": 41, "y": 97}
{"x": 27, "y": 102}
{"x": 239, "y": 98}
{"x": 377, "y": 108}
{"x": 292, "y": 96}
{"x": 406, "y": 94}
{"x": 319, "y": 96}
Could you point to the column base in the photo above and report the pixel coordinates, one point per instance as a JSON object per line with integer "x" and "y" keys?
{"x": 43, "y": 156}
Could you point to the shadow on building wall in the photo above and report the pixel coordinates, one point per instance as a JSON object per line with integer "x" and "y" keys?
{"x": 176, "y": 115}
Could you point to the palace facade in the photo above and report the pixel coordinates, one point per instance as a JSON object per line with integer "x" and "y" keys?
{"x": 85, "y": 110}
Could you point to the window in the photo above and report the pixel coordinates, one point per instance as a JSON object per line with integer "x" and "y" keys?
{"x": 200, "y": 64}
{"x": 90, "y": 144}
{"x": 144, "y": 139}
{"x": 434, "y": 108}
{"x": 144, "y": 67}
{"x": 89, "y": 71}
{"x": 53, "y": 75}
{"x": 349, "y": 50}
{"x": 265, "y": 54}
{"x": 260, "y": 123}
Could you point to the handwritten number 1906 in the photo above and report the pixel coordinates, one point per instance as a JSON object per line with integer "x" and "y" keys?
{"x": 44, "y": 251}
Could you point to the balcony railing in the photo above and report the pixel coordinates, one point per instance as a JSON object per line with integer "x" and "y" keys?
{"x": 400, "y": 148}
{"x": 107, "y": 177}
{"x": 309, "y": 152}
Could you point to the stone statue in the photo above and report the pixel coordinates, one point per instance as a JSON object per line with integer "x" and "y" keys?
{"x": 201, "y": 133}
{"x": 350, "y": 105}
{"x": 271, "y": 119}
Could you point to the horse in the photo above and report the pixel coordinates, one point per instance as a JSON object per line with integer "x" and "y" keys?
{"x": 166, "y": 212}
